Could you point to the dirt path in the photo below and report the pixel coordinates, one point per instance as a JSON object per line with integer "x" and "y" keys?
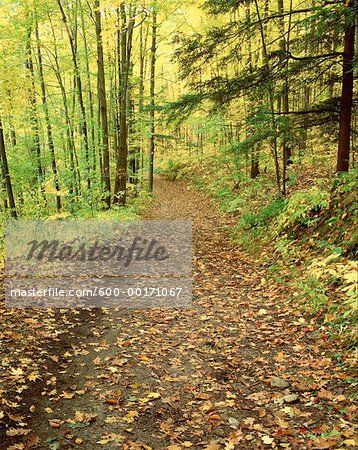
{"x": 199, "y": 378}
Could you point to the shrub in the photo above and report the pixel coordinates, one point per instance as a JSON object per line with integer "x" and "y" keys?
{"x": 302, "y": 207}
{"x": 264, "y": 216}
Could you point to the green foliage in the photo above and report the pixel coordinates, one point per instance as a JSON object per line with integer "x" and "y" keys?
{"x": 263, "y": 217}
{"x": 346, "y": 182}
{"x": 174, "y": 169}
{"x": 302, "y": 208}
{"x": 313, "y": 292}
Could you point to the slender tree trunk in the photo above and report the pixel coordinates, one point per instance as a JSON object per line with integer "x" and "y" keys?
{"x": 347, "y": 94}
{"x": 12, "y": 129}
{"x": 92, "y": 122}
{"x": 255, "y": 150}
{"x": 102, "y": 103}
{"x": 34, "y": 119}
{"x": 126, "y": 38}
{"x": 118, "y": 105}
{"x": 141, "y": 89}
{"x": 152, "y": 99}
{"x": 6, "y": 174}
{"x": 286, "y": 151}
{"x": 121, "y": 176}
{"x": 47, "y": 119}
{"x": 78, "y": 82}
{"x": 271, "y": 97}
{"x": 75, "y": 182}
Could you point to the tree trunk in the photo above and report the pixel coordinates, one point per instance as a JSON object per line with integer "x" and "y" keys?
{"x": 142, "y": 45}
{"x": 270, "y": 92}
{"x": 75, "y": 182}
{"x": 286, "y": 151}
{"x": 152, "y": 99}
{"x": 126, "y": 37}
{"x": 92, "y": 122}
{"x": 121, "y": 176}
{"x": 347, "y": 95}
{"x": 78, "y": 83}
{"x": 102, "y": 103}
{"x": 34, "y": 119}
{"x": 255, "y": 149}
{"x": 47, "y": 119}
{"x": 6, "y": 174}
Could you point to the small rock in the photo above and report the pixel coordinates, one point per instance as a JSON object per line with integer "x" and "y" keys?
{"x": 290, "y": 398}
{"x": 277, "y": 382}
{"x": 234, "y": 423}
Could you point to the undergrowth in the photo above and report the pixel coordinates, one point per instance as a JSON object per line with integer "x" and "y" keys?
{"x": 131, "y": 211}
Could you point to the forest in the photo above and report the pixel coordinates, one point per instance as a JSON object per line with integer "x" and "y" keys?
{"x": 239, "y": 115}
{"x": 90, "y": 90}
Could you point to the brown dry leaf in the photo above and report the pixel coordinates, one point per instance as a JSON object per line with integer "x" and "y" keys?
{"x": 18, "y": 431}
{"x": 262, "y": 412}
{"x": 215, "y": 417}
{"x": 112, "y": 401}
{"x": 323, "y": 443}
{"x": 81, "y": 416}
{"x": 67, "y": 395}
{"x": 279, "y": 357}
{"x": 130, "y": 417}
{"x": 32, "y": 441}
{"x": 324, "y": 394}
{"x": 16, "y": 417}
{"x": 55, "y": 423}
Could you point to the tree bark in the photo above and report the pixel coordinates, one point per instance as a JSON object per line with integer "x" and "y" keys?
{"x": 47, "y": 119}
{"x": 286, "y": 151}
{"x": 102, "y": 104}
{"x": 142, "y": 45}
{"x": 345, "y": 115}
{"x": 126, "y": 37}
{"x": 75, "y": 182}
{"x": 78, "y": 82}
{"x": 92, "y": 122}
{"x": 270, "y": 92}
{"x": 34, "y": 118}
{"x": 152, "y": 99}
{"x": 255, "y": 149}
{"x": 6, "y": 174}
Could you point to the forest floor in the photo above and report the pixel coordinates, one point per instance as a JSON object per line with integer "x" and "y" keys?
{"x": 241, "y": 369}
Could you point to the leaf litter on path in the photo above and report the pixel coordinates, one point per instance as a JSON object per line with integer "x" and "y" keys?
{"x": 238, "y": 370}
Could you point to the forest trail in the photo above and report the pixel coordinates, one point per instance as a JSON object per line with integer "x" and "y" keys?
{"x": 199, "y": 378}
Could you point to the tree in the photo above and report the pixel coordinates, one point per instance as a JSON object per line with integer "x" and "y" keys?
{"x": 36, "y": 147}
{"x": 6, "y": 173}
{"x": 47, "y": 119}
{"x": 152, "y": 98}
{"x": 102, "y": 104}
{"x": 345, "y": 115}
{"x": 125, "y": 54}
{"x": 78, "y": 84}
